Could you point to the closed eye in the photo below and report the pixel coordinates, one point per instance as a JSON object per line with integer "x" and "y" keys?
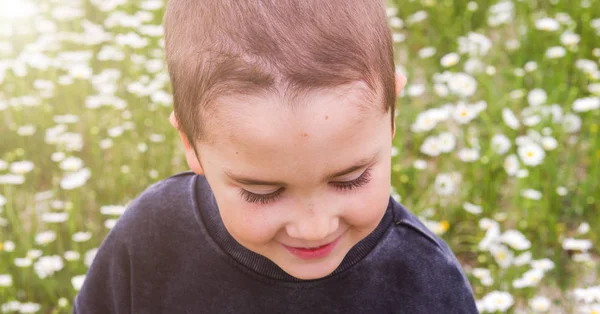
{"x": 264, "y": 199}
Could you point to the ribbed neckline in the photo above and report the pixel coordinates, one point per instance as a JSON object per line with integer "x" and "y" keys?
{"x": 214, "y": 224}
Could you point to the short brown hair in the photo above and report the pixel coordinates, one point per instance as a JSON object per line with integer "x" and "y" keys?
{"x": 240, "y": 47}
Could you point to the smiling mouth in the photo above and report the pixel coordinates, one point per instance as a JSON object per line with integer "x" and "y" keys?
{"x": 314, "y": 246}
{"x": 312, "y": 253}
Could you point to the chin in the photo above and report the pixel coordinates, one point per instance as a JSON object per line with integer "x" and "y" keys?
{"x": 310, "y": 274}
{"x": 313, "y": 270}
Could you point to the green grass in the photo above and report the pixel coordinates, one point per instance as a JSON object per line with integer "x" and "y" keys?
{"x": 122, "y": 164}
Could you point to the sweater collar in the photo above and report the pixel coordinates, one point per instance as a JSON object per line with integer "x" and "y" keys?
{"x": 214, "y": 224}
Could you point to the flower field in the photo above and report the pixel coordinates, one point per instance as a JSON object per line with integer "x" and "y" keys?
{"x": 497, "y": 148}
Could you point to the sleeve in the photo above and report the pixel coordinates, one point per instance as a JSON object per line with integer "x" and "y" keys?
{"x": 450, "y": 285}
{"x": 459, "y": 293}
{"x": 106, "y": 288}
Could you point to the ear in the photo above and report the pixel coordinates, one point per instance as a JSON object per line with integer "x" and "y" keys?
{"x": 190, "y": 155}
{"x": 400, "y": 83}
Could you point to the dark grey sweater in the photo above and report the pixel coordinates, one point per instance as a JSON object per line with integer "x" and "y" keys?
{"x": 170, "y": 253}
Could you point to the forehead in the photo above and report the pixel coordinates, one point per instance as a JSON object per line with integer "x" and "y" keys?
{"x": 347, "y": 105}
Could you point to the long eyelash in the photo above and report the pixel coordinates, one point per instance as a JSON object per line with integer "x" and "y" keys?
{"x": 344, "y": 186}
{"x": 356, "y": 183}
{"x": 258, "y": 198}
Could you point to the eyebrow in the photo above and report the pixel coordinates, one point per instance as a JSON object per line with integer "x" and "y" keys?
{"x": 250, "y": 181}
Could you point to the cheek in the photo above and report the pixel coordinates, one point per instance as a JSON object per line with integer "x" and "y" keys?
{"x": 367, "y": 207}
{"x": 247, "y": 224}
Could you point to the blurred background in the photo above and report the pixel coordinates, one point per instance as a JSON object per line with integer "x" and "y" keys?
{"x": 497, "y": 148}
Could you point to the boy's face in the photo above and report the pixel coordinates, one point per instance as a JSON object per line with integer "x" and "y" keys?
{"x": 305, "y": 197}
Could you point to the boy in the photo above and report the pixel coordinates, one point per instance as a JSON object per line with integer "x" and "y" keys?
{"x": 286, "y": 112}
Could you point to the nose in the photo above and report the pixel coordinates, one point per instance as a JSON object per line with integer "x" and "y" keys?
{"x": 313, "y": 227}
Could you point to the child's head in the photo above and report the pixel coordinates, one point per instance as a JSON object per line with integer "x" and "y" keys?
{"x": 287, "y": 108}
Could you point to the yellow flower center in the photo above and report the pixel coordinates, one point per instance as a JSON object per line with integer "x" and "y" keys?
{"x": 445, "y": 225}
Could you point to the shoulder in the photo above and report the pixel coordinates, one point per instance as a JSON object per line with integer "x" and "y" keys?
{"x": 406, "y": 222}
{"x": 156, "y": 235}
{"x": 172, "y": 192}
{"x": 176, "y": 188}
{"x": 164, "y": 205}
{"x": 427, "y": 262}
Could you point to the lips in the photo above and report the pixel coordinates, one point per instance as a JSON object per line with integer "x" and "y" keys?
{"x": 310, "y": 247}
{"x": 314, "y": 252}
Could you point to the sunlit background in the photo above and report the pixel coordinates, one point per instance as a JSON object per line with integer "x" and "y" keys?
{"x": 497, "y": 148}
